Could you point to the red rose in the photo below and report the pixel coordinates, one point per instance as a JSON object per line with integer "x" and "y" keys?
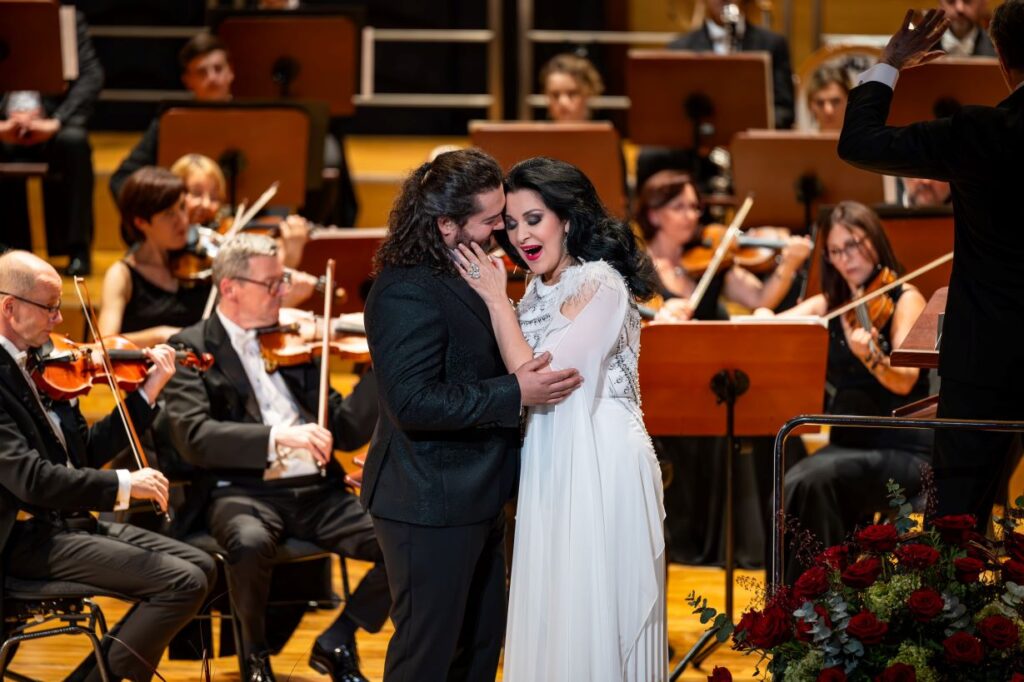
{"x": 1017, "y": 677}
{"x": 867, "y": 628}
{"x": 978, "y": 546}
{"x": 862, "y": 573}
{"x": 898, "y": 672}
{"x": 812, "y": 583}
{"x": 803, "y": 628}
{"x": 954, "y": 529}
{"x": 925, "y": 604}
{"x": 720, "y": 675}
{"x": 963, "y": 648}
{"x": 1013, "y": 571}
{"x": 771, "y": 627}
{"x": 916, "y": 556}
{"x": 998, "y": 632}
{"x": 1014, "y": 543}
{"x": 837, "y": 557}
{"x": 832, "y": 675}
{"x": 968, "y": 569}
{"x": 879, "y": 537}
{"x": 741, "y": 633}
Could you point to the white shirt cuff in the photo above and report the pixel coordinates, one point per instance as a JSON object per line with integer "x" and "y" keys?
{"x": 272, "y": 445}
{"x": 124, "y": 490}
{"x": 880, "y": 73}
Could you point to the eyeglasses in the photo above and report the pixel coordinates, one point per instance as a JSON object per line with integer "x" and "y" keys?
{"x": 845, "y": 250}
{"x": 52, "y": 310}
{"x": 274, "y": 286}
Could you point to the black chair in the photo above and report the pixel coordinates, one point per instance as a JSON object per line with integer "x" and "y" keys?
{"x": 67, "y": 607}
{"x": 316, "y": 593}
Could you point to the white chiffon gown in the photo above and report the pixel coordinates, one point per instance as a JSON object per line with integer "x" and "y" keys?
{"x": 587, "y": 600}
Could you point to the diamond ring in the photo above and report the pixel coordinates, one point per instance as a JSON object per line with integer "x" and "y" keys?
{"x": 474, "y": 271}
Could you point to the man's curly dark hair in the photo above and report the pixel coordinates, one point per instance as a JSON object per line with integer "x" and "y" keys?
{"x": 1007, "y": 32}
{"x": 446, "y": 187}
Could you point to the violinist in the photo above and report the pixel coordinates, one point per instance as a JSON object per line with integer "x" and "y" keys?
{"x": 144, "y": 298}
{"x": 253, "y": 434}
{"x": 50, "y": 479}
{"x": 668, "y": 212}
{"x": 843, "y": 484}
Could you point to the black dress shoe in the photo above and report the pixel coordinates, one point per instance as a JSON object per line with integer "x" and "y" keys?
{"x": 341, "y": 662}
{"x": 259, "y": 668}
{"x": 79, "y": 266}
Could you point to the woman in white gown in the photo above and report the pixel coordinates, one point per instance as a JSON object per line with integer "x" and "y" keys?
{"x": 587, "y": 600}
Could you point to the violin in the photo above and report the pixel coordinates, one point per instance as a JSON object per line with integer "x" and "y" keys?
{"x": 874, "y": 312}
{"x": 297, "y": 342}
{"x": 64, "y": 369}
{"x": 755, "y": 253}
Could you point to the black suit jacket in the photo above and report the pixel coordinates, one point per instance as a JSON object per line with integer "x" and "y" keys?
{"x": 446, "y": 448}
{"x": 34, "y": 475}
{"x": 75, "y": 106}
{"x": 755, "y": 39}
{"x": 216, "y": 421}
{"x": 979, "y": 151}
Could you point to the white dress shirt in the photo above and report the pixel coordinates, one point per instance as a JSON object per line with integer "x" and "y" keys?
{"x": 955, "y": 47}
{"x": 720, "y": 39}
{"x": 124, "y": 481}
{"x": 275, "y": 400}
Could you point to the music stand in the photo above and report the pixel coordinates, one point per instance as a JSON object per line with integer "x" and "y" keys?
{"x": 593, "y": 147}
{"x": 256, "y": 143}
{"x": 306, "y": 54}
{"x": 917, "y": 235}
{"x": 791, "y": 173}
{"x": 353, "y": 251}
{"x": 764, "y": 371}
{"x": 940, "y": 88}
{"x": 37, "y": 52}
{"x": 690, "y": 100}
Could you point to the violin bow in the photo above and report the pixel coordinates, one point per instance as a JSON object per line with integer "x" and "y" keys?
{"x": 723, "y": 247}
{"x": 325, "y": 353}
{"x": 82, "y": 289}
{"x": 941, "y": 260}
{"x": 241, "y": 221}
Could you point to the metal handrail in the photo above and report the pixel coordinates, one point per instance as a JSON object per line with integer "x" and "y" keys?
{"x": 778, "y": 463}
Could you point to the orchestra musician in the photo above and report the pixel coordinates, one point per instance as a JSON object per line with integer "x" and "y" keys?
{"x": 844, "y": 484}
{"x": 827, "y": 91}
{"x": 966, "y": 35}
{"x": 978, "y": 151}
{"x": 569, "y": 81}
{"x": 668, "y": 212}
{"x": 253, "y": 435}
{"x": 50, "y": 477}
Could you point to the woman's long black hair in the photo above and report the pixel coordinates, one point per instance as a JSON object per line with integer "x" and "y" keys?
{"x": 594, "y": 234}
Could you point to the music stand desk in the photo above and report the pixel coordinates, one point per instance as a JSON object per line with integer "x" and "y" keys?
{"x": 30, "y": 41}
{"x": 966, "y": 80}
{"x": 918, "y": 348}
{"x": 294, "y": 54}
{"x": 661, "y": 82}
{"x": 772, "y": 163}
{"x": 593, "y": 147}
{"x": 353, "y": 250}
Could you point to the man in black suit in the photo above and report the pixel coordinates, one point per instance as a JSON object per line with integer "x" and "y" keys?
{"x": 444, "y": 459}
{"x": 50, "y": 478}
{"x": 965, "y": 37}
{"x": 978, "y": 151}
{"x": 254, "y": 435}
{"x": 726, "y": 37}
{"x": 52, "y": 129}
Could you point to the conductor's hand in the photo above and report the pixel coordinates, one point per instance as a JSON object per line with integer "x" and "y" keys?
{"x": 162, "y": 357}
{"x": 312, "y": 437}
{"x": 912, "y": 44}
{"x": 149, "y": 484}
{"x": 539, "y": 385}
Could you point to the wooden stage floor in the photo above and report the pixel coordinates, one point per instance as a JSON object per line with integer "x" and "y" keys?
{"x": 53, "y": 658}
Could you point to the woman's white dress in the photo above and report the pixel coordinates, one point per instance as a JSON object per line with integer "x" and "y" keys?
{"x": 587, "y": 600}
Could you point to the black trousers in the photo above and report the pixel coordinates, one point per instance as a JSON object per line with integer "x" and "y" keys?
{"x": 838, "y": 488}
{"x": 169, "y": 578}
{"x": 971, "y": 465}
{"x": 250, "y": 526}
{"x": 448, "y": 586}
{"x": 67, "y": 194}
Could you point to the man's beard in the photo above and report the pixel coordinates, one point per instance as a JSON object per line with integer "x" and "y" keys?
{"x": 487, "y": 244}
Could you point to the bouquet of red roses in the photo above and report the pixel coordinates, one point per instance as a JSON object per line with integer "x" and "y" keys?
{"x": 897, "y": 603}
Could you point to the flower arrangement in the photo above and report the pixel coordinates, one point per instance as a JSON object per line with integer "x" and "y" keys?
{"x": 897, "y": 603}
